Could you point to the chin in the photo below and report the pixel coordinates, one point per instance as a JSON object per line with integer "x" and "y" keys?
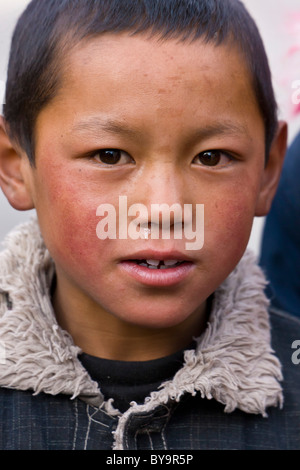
{"x": 158, "y": 317}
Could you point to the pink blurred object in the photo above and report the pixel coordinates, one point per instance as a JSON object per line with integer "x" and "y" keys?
{"x": 293, "y": 50}
{"x": 292, "y": 71}
{"x": 296, "y": 109}
{"x": 293, "y": 23}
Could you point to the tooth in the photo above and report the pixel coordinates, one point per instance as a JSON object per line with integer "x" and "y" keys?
{"x": 143, "y": 264}
{"x": 170, "y": 262}
{"x": 153, "y": 262}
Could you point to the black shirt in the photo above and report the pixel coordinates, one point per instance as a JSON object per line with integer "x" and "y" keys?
{"x": 131, "y": 381}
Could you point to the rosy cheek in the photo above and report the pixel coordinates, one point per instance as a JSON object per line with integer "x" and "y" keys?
{"x": 69, "y": 226}
{"x": 229, "y": 228}
{"x": 77, "y": 236}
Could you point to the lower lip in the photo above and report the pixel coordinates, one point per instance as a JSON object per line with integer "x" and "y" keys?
{"x": 157, "y": 277}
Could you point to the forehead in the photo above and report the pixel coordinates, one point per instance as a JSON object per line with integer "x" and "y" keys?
{"x": 143, "y": 57}
{"x": 140, "y": 53}
{"x": 142, "y": 78}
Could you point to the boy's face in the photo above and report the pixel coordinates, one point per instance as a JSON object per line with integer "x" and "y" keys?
{"x": 166, "y": 106}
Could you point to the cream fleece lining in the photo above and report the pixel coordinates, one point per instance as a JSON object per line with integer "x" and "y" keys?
{"x": 233, "y": 362}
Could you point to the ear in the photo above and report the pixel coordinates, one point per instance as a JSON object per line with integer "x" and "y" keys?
{"x": 12, "y": 172}
{"x": 272, "y": 170}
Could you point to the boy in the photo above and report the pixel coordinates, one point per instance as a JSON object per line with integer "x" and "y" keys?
{"x": 115, "y": 336}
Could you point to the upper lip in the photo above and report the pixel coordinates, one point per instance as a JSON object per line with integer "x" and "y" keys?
{"x": 158, "y": 255}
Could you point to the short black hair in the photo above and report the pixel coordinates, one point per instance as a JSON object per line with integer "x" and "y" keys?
{"x": 48, "y": 29}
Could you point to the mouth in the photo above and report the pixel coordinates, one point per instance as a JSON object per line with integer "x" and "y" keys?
{"x": 158, "y": 264}
{"x": 158, "y": 271}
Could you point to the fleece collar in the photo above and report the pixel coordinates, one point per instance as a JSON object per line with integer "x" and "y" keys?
{"x": 232, "y": 363}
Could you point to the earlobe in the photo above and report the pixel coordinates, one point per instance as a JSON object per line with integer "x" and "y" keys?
{"x": 12, "y": 174}
{"x": 272, "y": 170}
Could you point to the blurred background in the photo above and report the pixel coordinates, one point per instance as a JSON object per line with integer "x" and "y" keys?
{"x": 279, "y": 24}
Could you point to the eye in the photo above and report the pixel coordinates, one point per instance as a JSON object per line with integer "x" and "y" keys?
{"x": 112, "y": 157}
{"x": 213, "y": 158}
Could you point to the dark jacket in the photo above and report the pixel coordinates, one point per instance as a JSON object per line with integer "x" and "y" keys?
{"x": 280, "y": 252}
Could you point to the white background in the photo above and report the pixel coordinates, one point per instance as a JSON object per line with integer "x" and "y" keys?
{"x": 272, "y": 18}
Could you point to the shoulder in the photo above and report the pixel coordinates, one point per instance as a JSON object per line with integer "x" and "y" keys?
{"x": 284, "y": 325}
{"x": 285, "y": 334}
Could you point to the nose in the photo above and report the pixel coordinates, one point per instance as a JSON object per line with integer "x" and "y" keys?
{"x": 163, "y": 184}
{"x": 162, "y": 191}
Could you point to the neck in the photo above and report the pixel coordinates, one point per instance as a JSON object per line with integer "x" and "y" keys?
{"x": 101, "y": 334}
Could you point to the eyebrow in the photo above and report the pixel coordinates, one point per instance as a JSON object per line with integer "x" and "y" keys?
{"x": 94, "y": 124}
{"x": 223, "y": 128}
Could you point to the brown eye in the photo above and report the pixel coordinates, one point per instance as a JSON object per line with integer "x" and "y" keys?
{"x": 110, "y": 157}
{"x": 213, "y": 158}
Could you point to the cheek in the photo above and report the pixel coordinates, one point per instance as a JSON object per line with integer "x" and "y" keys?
{"x": 77, "y": 235}
{"x": 72, "y": 240}
{"x": 228, "y": 228}
{"x": 68, "y": 221}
